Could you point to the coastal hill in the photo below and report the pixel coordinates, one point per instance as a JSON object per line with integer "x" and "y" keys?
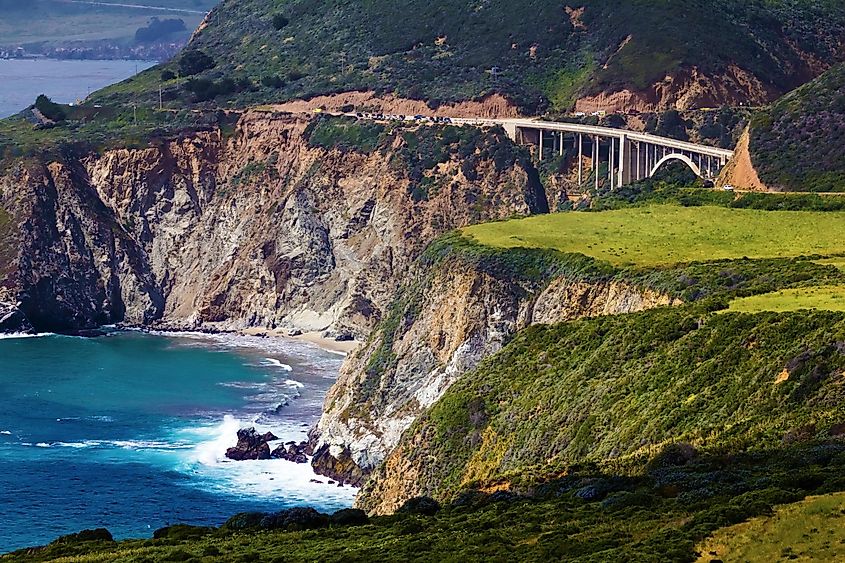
{"x": 103, "y": 29}
{"x": 796, "y": 144}
{"x": 595, "y": 54}
{"x": 608, "y": 385}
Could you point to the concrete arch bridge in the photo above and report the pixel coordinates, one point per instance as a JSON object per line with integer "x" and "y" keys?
{"x": 630, "y": 156}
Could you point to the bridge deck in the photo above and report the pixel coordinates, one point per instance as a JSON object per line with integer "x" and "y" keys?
{"x": 593, "y": 130}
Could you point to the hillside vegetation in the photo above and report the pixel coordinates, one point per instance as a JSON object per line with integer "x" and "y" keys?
{"x": 799, "y": 143}
{"x": 547, "y": 54}
{"x": 828, "y": 298}
{"x": 810, "y": 530}
{"x": 669, "y": 234}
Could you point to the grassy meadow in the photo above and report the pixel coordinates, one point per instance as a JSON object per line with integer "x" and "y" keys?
{"x": 810, "y": 530}
{"x": 664, "y": 235}
{"x": 828, "y": 298}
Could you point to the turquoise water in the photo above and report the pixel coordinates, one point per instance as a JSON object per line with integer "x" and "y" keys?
{"x": 21, "y": 81}
{"x": 129, "y": 431}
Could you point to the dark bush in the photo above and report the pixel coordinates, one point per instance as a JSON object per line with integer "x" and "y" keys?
{"x": 300, "y": 518}
{"x": 159, "y": 29}
{"x": 194, "y": 62}
{"x": 244, "y": 521}
{"x": 672, "y": 455}
{"x": 280, "y": 21}
{"x": 272, "y": 81}
{"x": 98, "y": 534}
{"x": 420, "y": 505}
{"x": 181, "y": 532}
{"x": 349, "y": 517}
{"x": 50, "y": 109}
{"x": 167, "y": 75}
{"x": 295, "y": 75}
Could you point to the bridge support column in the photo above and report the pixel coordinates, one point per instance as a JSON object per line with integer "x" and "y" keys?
{"x": 638, "y": 168}
{"x": 611, "y": 157}
{"x": 580, "y": 159}
{"x": 540, "y": 131}
{"x": 561, "y": 143}
{"x": 624, "y": 175}
{"x": 597, "y": 151}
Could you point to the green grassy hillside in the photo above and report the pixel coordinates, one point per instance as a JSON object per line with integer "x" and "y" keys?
{"x": 547, "y": 55}
{"x": 811, "y": 530}
{"x": 620, "y": 388}
{"x": 799, "y": 143}
{"x": 669, "y": 234}
{"x": 828, "y": 298}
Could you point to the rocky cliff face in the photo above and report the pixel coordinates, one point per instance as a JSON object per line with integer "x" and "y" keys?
{"x": 259, "y": 227}
{"x": 440, "y": 328}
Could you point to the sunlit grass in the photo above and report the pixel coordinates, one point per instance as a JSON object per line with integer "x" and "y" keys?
{"x": 811, "y": 530}
{"x": 668, "y": 234}
{"x": 828, "y": 298}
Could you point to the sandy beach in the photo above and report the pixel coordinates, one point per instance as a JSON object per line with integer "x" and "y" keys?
{"x": 315, "y": 338}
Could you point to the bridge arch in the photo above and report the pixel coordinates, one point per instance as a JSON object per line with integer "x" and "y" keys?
{"x": 676, "y": 156}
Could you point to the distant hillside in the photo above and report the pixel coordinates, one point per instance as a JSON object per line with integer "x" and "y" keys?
{"x": 541, "y": 54}
{"x": 51, "y": 23}
{"x": 799, "y": 143}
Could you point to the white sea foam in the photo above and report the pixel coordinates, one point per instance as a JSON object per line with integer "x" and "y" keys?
{"x": 90, "y": 418}
{"x": 294, "y": 383}
{"x": 14, "y": 335}
{"x": 5, "y": 432}
{"x": 265, "y": 479}
{"x": 276, "y": 363}
{"x": 43, "y": 445}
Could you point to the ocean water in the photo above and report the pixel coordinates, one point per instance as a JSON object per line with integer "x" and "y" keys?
{"x": 129, "y": 431}
{"x": 21, "y": 81}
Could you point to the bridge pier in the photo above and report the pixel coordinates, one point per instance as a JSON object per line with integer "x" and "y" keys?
{"x": 631, "y": 156}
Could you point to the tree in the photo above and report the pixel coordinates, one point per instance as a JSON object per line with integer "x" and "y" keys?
{"x": 167, "y": 75}
{"x": 50, "y": 109}
{"x": 280, "y": 21}
{"x": 194, "y": 62}
{"x": 159, "y": 29}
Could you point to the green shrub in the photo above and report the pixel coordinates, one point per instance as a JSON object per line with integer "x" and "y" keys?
{"x": 280, "y": 21}
{"x": 50, "y": 109}
{"x": 194, "y": 61}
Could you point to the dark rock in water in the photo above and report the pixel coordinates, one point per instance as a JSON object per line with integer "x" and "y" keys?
{"x": 251, "y": 445}
{"x": 315, "y": 481}
{"x": 12, "y": 319}
{"x": 342, "y": 468}
{"x": 349, "y": 517}
{"x": 99, "y": 534}
{"x": 88, "y": 332}
{"x": 291, "y": 452}
{"x": 305, "y": 518}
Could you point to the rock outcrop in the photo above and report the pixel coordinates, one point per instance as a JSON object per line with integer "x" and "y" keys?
{"x": 439, "y": 329}
{"x": 255, "y": 228}
{"x": 291, "y": 451}
{"x": 251, "y": 445}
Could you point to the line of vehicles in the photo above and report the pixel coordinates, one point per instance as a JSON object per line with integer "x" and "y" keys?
{"x": 419, "y": 118}
{"x": 396, "y": 117}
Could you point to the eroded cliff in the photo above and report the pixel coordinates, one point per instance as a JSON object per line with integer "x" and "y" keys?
{"x": 463, "y": 304}
{"x": 261, "y": 225}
